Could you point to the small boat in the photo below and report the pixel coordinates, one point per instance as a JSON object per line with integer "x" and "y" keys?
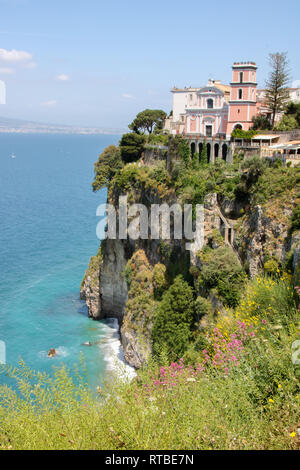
{"x": 13, "y": 156}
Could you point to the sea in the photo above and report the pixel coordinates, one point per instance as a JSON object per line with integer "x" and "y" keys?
{"x": 47, "y": 236}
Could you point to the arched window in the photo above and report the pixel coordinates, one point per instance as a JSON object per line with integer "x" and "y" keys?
{"x": 193, "y": 148}
{"x": 238, "y": 126}
{"x": 216, "y": 150}
{"x": 210, "y": 103}
{"x": 208, "y": 150}
{"x": 240, "y": 94}
{"x": 241, "y": 77}
{"x": 224, "y": 151}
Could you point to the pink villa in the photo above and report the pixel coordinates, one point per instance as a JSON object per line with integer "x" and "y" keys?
{"x": 212, "y": 112}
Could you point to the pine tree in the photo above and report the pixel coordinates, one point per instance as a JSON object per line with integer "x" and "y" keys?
{"x": 277, "y": 94}
{"x": 174, "y": 319}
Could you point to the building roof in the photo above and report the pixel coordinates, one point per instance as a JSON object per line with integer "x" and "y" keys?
{"x": 265, "y": 136}
{"x": 186, "y": 89}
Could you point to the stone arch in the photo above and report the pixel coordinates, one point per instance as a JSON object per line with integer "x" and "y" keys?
{"x": 216, "y": 149}
{"x": 208, "y": 147}
{"x": 200, "y": 148}
{"x": 224, "y": 151}
{"x": 193, "y": 148}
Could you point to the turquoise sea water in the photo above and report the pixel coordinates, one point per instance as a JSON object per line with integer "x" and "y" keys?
{"x": 47, "y": 235}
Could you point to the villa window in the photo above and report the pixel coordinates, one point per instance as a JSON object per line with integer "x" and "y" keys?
{"x": 240, "y": 94}
{"x": 208, "y": 131}
{"x": 210, "y": 103}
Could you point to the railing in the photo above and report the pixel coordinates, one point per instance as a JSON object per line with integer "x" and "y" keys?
{"x": 247, "y": 144}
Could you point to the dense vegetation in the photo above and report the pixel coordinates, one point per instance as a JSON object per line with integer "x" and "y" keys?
{"x": 237, "y": 388}
{"x": 222, "y": 374}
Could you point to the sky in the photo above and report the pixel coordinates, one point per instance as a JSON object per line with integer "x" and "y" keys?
{"x": 98, "y": 63}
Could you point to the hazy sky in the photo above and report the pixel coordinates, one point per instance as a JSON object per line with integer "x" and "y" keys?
{"x": 97, "y": 63}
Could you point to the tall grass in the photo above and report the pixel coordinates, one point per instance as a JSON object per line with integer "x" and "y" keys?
{"x": 253, "y": 404}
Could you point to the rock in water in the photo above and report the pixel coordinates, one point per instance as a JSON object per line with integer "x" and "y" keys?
{"x": 52, "y": 352}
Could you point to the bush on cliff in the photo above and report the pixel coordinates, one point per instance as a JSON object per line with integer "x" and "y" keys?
{"x": 149, "y": 120}
{"x": 221, "y": 271}
{"x": 296, "y": 218}
{"x": 173, "y": 320}
{"x": 109, "y": 162}
{"x": 132, "y": 146}
{"x": 243, "y": 393}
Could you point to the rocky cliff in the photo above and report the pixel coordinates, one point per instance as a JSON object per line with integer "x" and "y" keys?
{"x": 127, "y": 276}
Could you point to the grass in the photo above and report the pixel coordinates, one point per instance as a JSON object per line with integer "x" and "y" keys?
{"x": 253, "y": 403}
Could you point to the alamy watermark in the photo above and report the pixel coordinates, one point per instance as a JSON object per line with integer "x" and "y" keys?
{"x": 158, "y": 222}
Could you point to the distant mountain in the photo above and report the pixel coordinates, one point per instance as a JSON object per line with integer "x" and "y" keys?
{"x": 8, "y": 125}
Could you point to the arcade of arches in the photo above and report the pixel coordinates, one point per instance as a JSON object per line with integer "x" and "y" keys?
{"x": 214, "y": 150}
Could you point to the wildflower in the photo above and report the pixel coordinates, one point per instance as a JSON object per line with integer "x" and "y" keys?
{"x": 270, "y": 400}
{"x": 293, "y": 434}
{"x": 152, "y": 399}
{"x": 191, "y": 379}
{"x": 279, "y": 386}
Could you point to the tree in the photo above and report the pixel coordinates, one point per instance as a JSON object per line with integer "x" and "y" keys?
{"x": 293, "y": 109}
{"x": 261, "y": 123}
{"x": 109, "y": 162}
{"x": 221, "y": 271}
{"x": 203, "y": 156}
{"x": 277, "y": 94}
{"x": 148, "y": 121}
{"x": 174, "y": 319}
{"x": 287, "y": 123}
{"x": 131, "y": 147}
{"x": 253, "y": 167}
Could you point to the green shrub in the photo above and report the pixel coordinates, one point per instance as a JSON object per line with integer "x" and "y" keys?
{"x": 160, "y": 282}
{"x": 296, "y": 218}
{"x": 174, "y": 319}
{"x": 222, "y": 271}
{"x": 131, "y": 147}
{"x": 241, "y": 134}
{"x": 108, "y": 164}
{"x": 271, "y": 266}
{"x": 202, "y": 307}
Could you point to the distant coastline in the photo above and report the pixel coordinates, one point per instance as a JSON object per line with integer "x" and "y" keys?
{"x": 17, "y": 126}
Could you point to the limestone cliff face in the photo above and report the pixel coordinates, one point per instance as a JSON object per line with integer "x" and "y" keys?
{"x": 113, "y": 287}
{"x": 264, "y": 233}
{"x": 107, "y": 292}
{"x": 103, "y": 287}
{"x": 90, "y": 287}
{"x": 121, "y": 280}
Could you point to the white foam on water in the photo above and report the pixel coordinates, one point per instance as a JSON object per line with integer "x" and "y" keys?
{"x": 61, "y": 352}
{"x": 112, "y": 351}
